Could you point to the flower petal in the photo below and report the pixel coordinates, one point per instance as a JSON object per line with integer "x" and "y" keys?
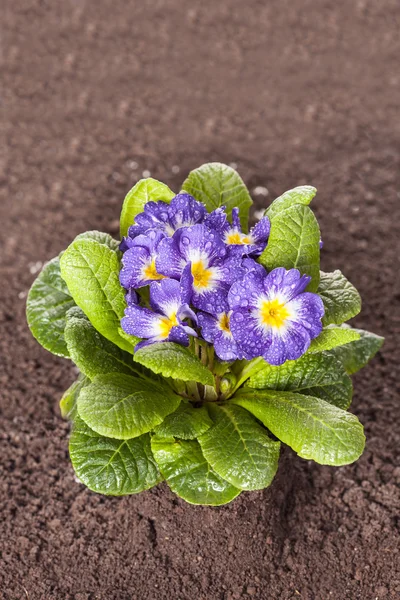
{"x": 140, "y": 322}
{"x": 247, "y": 291}
{"x": 225, "y": 347}
{"x": 185, "y": 211}
{"x": 260, "y": 231}
{"x": 307, "y": 309}
{"x": 209, "y": 326}
{"x": 169, "y": 261}
{"x": 179, "y": 336}
{"x": 285, "y": 285}
{"x": 251, "y": 339}
{"x": 134, "y": 261}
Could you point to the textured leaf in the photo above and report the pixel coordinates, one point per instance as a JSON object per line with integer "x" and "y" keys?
{"x": 93, "y": 353}
{"x": 130, "y": 339}
{"x": 355, "y": 355}
{"x": 109, "y": 466}
{"x": 331, "y": 337}
{"x": 302, "y": 194}
{"x": 294, "y": 243}
{"x": 101, "y": 237}
{"x": 314, "y": 429}
{"x": 239, "y": 449}
{"x": 186, "y": 423}
{"x": 91, "y": 271}
{"x": 310, "y": 369}
{"x": 47, "y": 304}
{"x": 216, "y": 184}
{"x": 146, "y": 190}
{"x": 123, "y": 407}
{"x": 339, "y": 393}
{"x": 70, "y": 396}
{"x": 172, "y": 360}
{"x": 188, "y": 474}
{"x": 341, "y": 299}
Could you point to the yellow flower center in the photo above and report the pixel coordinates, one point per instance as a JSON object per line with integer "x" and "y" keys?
{"x": 201, "y": 275}
{"x": 274, "y": 313}
{"x": 237, "y": 238}
{"x": 167, "y": 324}
{"x": 224, "y": 322}
{"x": 150, "y": 271}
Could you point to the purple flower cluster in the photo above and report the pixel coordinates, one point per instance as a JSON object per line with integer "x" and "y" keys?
{"x": 204, "y": 281}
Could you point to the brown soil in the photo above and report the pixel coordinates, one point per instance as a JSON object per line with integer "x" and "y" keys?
{"x": 294, "y": 92}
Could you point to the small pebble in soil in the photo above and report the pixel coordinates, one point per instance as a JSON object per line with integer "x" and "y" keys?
{"x": 175, "y": 169}
{"x": 146, "y": 173}
{"x": 260, "y": 191}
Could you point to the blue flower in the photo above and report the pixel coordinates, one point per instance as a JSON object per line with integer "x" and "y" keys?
{"x": 183, "y": 211}
{"x": 272, "y": 316}
{"x": 165, "y": 322}
{"x": 199, "y": 258}
{"x": 249, "y": 244}
{"x": 215, "y": 329}
{"x": 139, "y": 261}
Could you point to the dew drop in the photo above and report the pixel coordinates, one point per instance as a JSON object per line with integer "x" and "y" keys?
{"x": 185, "y": 241}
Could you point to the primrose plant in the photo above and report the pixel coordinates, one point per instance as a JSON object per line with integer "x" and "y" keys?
{"x": 202, "y": 345}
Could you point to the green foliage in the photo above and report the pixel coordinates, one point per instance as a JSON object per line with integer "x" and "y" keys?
{"x": 315, "y": 429}
{"x": 301, "y": 195}
{"x": 339, "y": 393}
{"x": 91, "y": 271}
{"x": 101, "y": 237}
{"x": 123, "y": 407}
{"x": 171, "y": 360}
{"x": 47, "y": 305}
{"x": 215, "y": 185}
{"x": 330, "y": 337}
{"x": 146, "y": 190}
{"x": 188, "y": 474}
{"x": 308, "y": 370}
{"x": 92, "y": 353}
{"x": 187, "y": 422}
{"x": 341, "y": 299}
{"x": 70, "y": 397}
{"x": 109, "y": 466}
{"x": 294, "y": 243}
{"x": 356, "y": 354}
{"x": 239, "y": 449}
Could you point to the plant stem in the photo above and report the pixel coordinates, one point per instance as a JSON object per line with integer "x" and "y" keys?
{"x": 251, "y": 368}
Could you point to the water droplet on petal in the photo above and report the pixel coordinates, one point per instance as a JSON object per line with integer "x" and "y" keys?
{"x": 185, "y": 241}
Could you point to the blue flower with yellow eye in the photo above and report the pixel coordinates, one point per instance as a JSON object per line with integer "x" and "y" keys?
{"x": 250, "y": 244}
{"x": 164, "y": 321}
{"x": 272, "y": 315}
{"x": 199, "y": 258}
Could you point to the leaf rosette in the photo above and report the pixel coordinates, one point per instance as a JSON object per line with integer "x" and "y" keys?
{"x": 202, "y": 345}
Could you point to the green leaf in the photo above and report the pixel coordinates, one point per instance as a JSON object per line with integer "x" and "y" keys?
{"x": 101, "y": 237}
{"x": 91, "y": 271}
{"x": 314, "y": 429}
{"x": 294, "y": 243}
{"x": 112, "y": 467}
{"x": 215, "y": 185}
{"x": 123, "y": 407}
{"x": 146, "y": 190}
{"x": 239, "y": 449}
{"x": 339, "y": 393}
{"x": 308, "y": 370}
{"x": 130, "y": 339}
{"x": 302, "y": 195}
{"x": 355, "y": 355}
{"x": 331, "y": 337}
{"x": 341, "y": 299}
{"x": 47, "y": 304}
{"x": 172, "y": 360}
{"x": 91, "y": 352}
{"x": 70, "y": 396}
{"x": 186, "y": 422}
{"x": 188, "y": 474}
